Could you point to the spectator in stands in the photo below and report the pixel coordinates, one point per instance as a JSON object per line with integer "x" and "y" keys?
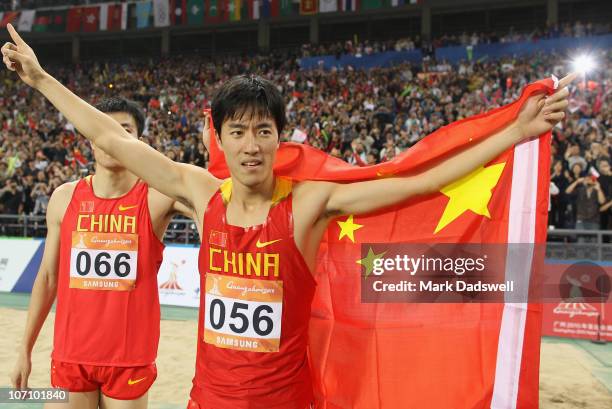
{"x": 12, "y": 198}
{"x": 589, "y": 198}
{"x": 559, "y": 202}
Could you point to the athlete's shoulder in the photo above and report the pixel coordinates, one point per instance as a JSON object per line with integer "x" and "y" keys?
{"x": 64, "y": 191}
{"x": 60, "y": 199}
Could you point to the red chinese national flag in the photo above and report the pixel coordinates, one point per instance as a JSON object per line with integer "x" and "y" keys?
{"x": 417, "y": 355}
{"x": 73, "y": 20}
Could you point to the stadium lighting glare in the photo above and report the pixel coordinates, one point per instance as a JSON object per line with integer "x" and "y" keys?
{"x": 583, "y": 63}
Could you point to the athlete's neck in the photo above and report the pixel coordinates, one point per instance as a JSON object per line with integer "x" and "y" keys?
{"x": 109, "y": 184}
{"x": 251, "y": 198}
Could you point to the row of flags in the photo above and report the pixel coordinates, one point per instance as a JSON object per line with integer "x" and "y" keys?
{"x": 165, "y": 13}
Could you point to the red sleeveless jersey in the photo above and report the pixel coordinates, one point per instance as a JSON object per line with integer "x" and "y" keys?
{"x": 256, "y": 293}
{"x": 107, "y": 299}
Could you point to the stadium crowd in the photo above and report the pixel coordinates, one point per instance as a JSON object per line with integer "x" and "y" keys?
{"x": 363, "y": 117}
{"x": 577, "y": 29}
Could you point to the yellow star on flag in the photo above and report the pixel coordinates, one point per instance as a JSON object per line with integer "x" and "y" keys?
{"x": 368, "y": 261}
{"x": 471, "y": 192}
{"x": 348, "y": 228}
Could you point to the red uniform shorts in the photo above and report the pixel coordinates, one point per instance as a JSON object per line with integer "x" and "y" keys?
{"x": 125, "y": 383}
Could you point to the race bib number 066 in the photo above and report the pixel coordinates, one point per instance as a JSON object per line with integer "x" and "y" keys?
{"x": 243, "y": 314}
{"x": 103, "y": 261}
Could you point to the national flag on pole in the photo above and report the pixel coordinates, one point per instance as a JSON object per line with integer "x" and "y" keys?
{"x": 178, "y": 12}
{"x": 9, "y": 17}
{"x": 213, "y": 11}
{"x": 58, "y": 22}
{"x": 26, "y": 20}
{"x": 161, "y": 13}
{"x": 328, "y": 6}
{"x": 91, "y": 19}
{"x": 144, "y": 10}
{"x": 266, "y": 8}
{"x": 195, "y": 12}
{"x": 254, "y": 9}
{"x": 308, "y": 6}
{"x": 117, "y": 17}
{"x": 104, "y": 16}
{"x": 112, "y": 17}
{"x": 43, "y": 21}
{"x": 399, "y": 355}
{"x": 74, "y": 18}
{"x": 349, "y": 5}
{"x": 234, "y": 9}
{"x": 289, "y": 7}
{"x": 272, "y": 8}
{"x": 371, "y": 4}
{"x": 224, "y": 9}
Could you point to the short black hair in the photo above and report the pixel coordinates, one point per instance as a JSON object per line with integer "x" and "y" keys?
{"x": 118, "y": 104}
{"x": 248, "y": 93}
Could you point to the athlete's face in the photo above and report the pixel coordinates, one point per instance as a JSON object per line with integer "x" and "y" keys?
{"x": 249, "y": 144}
{"x": 128, "y": 123}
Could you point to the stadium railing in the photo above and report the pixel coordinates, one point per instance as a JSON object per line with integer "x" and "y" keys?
{"x": 180, "y": 231}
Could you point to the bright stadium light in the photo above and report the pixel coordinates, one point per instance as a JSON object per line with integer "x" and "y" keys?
{"x": 583, "y": 63}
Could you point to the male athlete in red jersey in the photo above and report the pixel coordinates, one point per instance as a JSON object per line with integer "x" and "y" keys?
{"x": 101, "y": 258}
{"x": 262, "y": 233}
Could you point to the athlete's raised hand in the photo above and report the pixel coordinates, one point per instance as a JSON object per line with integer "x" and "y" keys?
{"x": 540, "y": 113}
{"x": 21, "y": 372}
{"x": 19, "y": 57}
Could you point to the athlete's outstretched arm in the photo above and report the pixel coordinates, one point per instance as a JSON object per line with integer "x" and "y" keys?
{"x": 45, "y": 286}
{"x": 175, "y": 180}
{"x": 538, "y": 115}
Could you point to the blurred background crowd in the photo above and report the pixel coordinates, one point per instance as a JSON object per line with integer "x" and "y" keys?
{"x": 362, "y": 116}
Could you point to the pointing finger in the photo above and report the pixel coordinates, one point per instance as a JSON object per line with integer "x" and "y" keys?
{"x": 15, "y": 35}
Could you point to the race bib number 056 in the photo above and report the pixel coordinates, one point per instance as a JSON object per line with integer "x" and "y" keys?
{"x": 103, "y": 261}
{"x": 243, "y": 314}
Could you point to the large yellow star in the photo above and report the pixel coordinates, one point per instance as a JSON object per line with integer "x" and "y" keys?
{"x": 347, "y": 228}
{"x": 471, "y": 192}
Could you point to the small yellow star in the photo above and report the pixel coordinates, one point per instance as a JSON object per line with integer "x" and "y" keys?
{"x": 368, "y": 261}
{"x": 471, "y": 192}
{"x": 347, "y": 228}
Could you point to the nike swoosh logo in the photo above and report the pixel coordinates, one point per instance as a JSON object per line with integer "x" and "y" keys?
{"x": 123, "y": 208}
{"x": 131, "y": 382}
{"x": 261, "y": 245}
